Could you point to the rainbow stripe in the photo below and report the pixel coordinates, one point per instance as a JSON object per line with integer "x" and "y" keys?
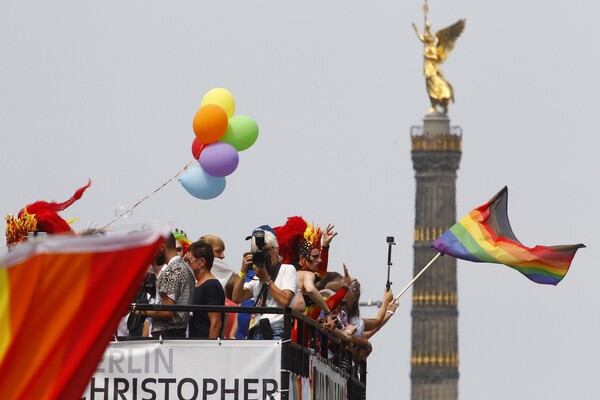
{"x": 485, "y": 235}
{"x": 60, "y": 302}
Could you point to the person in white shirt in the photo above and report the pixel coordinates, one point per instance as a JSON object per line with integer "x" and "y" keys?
{"x": 274, "y": 285}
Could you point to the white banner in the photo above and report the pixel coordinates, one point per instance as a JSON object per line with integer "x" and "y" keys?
{"x": 188, "y": 370}
{"x": 327, "y": 384}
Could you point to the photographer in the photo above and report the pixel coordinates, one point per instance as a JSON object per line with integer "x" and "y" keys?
{"x": 274, "y": 285}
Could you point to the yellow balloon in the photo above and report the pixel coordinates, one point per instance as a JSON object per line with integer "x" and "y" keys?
{"x": 221, "y": 97}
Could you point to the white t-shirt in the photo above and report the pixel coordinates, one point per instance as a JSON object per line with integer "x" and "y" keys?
{"x": 221, "y": 271}
{"x": 359, "y": 323}
{"x": 287, "y": 279}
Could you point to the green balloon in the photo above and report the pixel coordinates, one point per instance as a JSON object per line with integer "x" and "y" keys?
{"x": 241, "y": 133}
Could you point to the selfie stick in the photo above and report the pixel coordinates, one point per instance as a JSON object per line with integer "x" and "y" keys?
{"x": 390, "y": 242}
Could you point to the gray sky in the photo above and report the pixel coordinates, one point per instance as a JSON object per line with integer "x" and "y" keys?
{"x": 107, "y": 90}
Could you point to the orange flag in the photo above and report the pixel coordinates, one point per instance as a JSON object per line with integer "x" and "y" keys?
{"x": 60, "y": 302}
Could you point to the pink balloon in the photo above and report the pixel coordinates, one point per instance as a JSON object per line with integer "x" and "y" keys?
{"x": 219, "y": 159}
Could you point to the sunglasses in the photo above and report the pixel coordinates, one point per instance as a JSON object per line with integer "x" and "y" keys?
{"x": 179, "y": 249}
{"x": 188, "y": 261}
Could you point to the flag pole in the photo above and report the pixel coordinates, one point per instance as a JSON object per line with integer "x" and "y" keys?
{"x": 416, "y": 277}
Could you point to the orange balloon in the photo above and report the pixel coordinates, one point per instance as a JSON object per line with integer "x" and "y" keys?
{"x": 210, "y": 123}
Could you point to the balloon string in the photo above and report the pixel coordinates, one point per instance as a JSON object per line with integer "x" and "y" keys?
{"x": 147, "y": 196}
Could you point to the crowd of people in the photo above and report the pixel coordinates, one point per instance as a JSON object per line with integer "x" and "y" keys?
{"x": 285, "y": 267}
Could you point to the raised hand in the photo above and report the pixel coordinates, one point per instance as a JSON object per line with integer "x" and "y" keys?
{"x": 328, "y": 235}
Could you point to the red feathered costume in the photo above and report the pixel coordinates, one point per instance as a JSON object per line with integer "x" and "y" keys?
{"x": 41, "y": 216}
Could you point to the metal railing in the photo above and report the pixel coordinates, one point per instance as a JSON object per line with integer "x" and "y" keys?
{"x": 303, "y": 337}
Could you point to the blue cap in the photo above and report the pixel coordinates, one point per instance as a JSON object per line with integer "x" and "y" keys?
{"x": 261, "y": 228}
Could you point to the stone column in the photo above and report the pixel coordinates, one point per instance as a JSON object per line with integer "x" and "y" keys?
{"x": 436, "y": 151}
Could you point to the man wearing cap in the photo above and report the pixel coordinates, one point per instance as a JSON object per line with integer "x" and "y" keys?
{"x": 274, "y": 285}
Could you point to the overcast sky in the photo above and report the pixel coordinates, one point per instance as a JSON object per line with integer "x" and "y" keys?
{"x": 107, "y": 91}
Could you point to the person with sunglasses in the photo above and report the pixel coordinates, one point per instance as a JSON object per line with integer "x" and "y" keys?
{"x": 208, "y": 291}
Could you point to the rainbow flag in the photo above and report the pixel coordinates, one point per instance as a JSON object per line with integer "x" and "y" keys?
{"x": 61, "y": 299}
{"x": 485, "y": 235}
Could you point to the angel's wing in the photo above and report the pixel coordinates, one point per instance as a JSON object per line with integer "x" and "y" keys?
{"x": 447, "y": 37}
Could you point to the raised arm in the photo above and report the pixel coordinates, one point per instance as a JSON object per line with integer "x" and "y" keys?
{"x": 374, "y": 323}
{"x": 241, "y": 294}
{"x": 391, "y": 309}
{"x": 421, "y": 38}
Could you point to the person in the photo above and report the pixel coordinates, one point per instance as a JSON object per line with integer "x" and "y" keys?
{"x": 436, "y": 48}
{"x": 181, "y": 242}
{"x": 174, "y": 285}
{"x": 217, "y": 244}
{"x": 301, "y": 246}
{"x": 221, "y": 271}
{"x": 208, "y": 291}
{"x": 225, "y": 275}
{"x": 353, "y": 328}
{"x": 274, "y": 285}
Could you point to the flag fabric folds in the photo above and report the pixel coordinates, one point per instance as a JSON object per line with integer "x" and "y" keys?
{"x": 485, "y": 235}
{"x": 61, "y": 299}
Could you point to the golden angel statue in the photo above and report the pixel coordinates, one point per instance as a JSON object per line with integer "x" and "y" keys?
{"x": 435, "y": 51}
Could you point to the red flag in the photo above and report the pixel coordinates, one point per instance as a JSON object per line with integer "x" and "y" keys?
{"x": 60, "y": 302}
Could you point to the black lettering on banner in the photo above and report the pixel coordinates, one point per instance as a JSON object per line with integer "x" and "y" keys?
{"x": 134, "y": 389}
{"x": 206, "y": 391}
{"x": 321, "y": 385}
{"x": 166, "y": 381}
{"x": 94, "y": 389}
{"x": 146, "y": 389}
{"x": 119, "y": 393}
{"x": 269, "y": 391}
{"x": 233, "y": 391}
{"x": 180, "y": 391}
{"x": 248, "y": 390}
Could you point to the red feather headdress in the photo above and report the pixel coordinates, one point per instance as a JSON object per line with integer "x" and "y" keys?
{"x": 41, "y": 216}
{"x": 297, "y": 237}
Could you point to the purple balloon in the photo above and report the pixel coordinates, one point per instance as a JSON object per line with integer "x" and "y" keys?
{"x": 219, "y": 159}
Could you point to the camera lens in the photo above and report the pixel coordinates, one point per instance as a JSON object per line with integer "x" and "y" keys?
{"x": 258, "y": 258}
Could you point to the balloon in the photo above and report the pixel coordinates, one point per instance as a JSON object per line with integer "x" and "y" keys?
{"x": 241, "y": 133}
{"x": 210, "y": 123}
{"x": 123, "y": 212}
{"x": 201, "y": 185}
{"x": 219, "y": 159}
{"x": 221, "y": 97}
{"x": 197, "y": 148}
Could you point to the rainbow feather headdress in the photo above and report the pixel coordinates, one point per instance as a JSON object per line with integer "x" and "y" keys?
{"x": 183, "y": 239}
{"x": 297, "y": 238}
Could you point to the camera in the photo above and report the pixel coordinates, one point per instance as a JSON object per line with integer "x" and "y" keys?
{"x": 260, "y": 257}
